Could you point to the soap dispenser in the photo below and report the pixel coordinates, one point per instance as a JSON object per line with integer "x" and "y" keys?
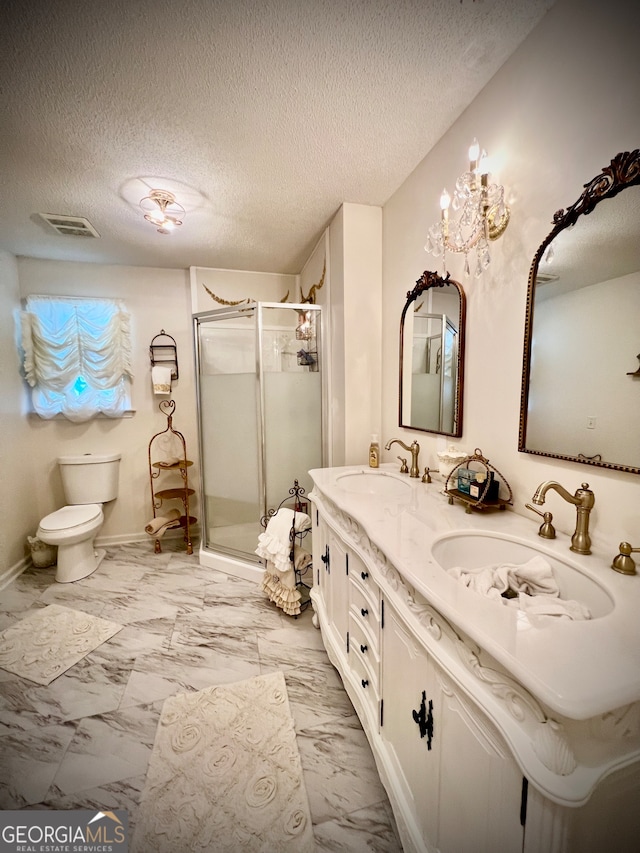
{"x": 374, "y": 452}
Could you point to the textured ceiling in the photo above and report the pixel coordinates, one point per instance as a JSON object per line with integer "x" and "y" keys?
{"x": 262, "y": 116}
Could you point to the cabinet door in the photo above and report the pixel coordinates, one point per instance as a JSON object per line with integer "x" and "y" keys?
{"x": 319, "y": 548}
{"x": 336, "y": 594}
{"x": 462, "y": 787}
{"x": 480, "y": 789}
{"x": 408, "y": 686}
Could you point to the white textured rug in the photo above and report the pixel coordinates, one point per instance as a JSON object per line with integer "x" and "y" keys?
{"x": 225, "y": 774}
{"x": 46, "y": 643}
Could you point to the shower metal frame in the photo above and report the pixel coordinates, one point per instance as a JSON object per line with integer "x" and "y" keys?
{"x": 240, "y": 312}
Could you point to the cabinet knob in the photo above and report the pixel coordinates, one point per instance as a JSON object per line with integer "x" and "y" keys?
{"x": 365, "y": 682}
{"x": 364, "y": 575}
{"x": 364, "y": 611}
{"x": 363, "y": 649}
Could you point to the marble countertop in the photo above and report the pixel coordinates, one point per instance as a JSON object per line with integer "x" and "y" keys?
{"x": 580, "y": 669}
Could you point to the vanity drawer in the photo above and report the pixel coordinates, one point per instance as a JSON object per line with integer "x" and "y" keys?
{"x": 364, "y": 598}
{"x": 359, "y": 573}
{"x": 363, "y": 645}
{"x": 365, "y": 675}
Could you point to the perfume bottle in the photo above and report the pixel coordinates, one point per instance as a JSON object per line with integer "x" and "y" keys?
{"x": 374, "y": 452}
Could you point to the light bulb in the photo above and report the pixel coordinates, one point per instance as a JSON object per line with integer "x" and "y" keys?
{"x": 445, "y": 200}
{"x": 474, "y": 151}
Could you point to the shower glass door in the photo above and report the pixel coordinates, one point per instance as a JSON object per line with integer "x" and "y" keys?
{"x": 260, "y": 416}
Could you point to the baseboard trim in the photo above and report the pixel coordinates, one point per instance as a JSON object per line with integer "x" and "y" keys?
{"x": 14, "y": 571}
{"x": 231, "y": 566}
{"x": 130, "y": 538}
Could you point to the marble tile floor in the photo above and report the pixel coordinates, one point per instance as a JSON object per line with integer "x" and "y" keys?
{"x": 84, "y": 741}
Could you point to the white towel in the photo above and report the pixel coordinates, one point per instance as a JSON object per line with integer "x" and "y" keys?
{"x": 533, "y": 581}
{"x": 538, "y": 608}
{"x": 301, "y": 558}
{"x": 534, "y": 577}
{"x": 170, "y": 462}
{"x": 282, "y": 590}
{"x": 274, "y": 544}
{"x": 161, "y": 379}
{"x": 157, "y": 527}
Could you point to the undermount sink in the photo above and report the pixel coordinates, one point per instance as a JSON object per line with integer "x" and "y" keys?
{"x": 382, "y": 483}
{"x": 477, "y": 550}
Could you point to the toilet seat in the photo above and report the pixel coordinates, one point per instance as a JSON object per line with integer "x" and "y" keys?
{"x": 69, "y": 517}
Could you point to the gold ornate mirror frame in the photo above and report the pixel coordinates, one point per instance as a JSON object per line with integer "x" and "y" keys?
{"x": 623, "y": 172}
{"x": 431, "y": 280}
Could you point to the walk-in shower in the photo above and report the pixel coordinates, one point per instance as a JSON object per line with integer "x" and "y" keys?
{"x": 260, "y": 411}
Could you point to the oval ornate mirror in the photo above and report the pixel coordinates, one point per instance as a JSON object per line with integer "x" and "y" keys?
{"x": 581, "y": 378}
{"x": 432, "y": 356}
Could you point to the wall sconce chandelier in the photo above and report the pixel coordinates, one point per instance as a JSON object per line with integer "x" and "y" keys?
{"x": 162, "y": 210}
{"x": 482, "y": 215}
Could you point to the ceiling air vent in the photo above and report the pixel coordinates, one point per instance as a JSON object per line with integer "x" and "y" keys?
{"x": 74, "y": 226}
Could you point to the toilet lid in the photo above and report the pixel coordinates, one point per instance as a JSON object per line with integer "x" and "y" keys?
{"x": 70, "y": 516}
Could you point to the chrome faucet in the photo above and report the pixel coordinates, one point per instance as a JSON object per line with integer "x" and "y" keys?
{"x": 413, "y": 450}
{"x": 583, "y": 500}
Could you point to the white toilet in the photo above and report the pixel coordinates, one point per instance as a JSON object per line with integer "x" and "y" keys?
{"x": 88, "y": 482}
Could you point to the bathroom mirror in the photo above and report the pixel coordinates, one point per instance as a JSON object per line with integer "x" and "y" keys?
{"x": 581, "y": 375}
{"x": 432, "y": 356}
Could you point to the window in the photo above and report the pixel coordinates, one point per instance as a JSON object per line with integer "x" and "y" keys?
{"x": 77, "y": 356}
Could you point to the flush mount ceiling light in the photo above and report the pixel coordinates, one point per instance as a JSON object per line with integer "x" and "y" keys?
{"x": 482, "y": 215}
{"x": 162, "y": 210}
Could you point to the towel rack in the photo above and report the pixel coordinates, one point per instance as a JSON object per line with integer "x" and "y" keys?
{"x": 179, "y": 466}
{"x": 164, "y": 353}
{"x": 300, "y": 504}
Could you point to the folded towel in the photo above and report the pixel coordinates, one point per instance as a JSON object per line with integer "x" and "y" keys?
{"x": 161, "y": 379}
{"x": 158, "y": 526}
{"x": 301, "y": 558}
{"x": 275, "y": 543}
{"x": 169, "y": 462}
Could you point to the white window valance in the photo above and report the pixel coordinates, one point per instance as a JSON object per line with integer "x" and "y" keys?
{"x": 77, "y": 356}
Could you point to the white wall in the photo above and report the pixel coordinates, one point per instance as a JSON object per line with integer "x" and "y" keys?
{"x": 18, "y": 495}
{"x": 238, "y": 285}
{"x": 316, "y": 273}
{"x": 156, "y": 299}
{"x": 557, "y": 112}
{"x": 356, "y": 323}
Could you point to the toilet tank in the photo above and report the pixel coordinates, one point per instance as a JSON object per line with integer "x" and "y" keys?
{"x": 91, "y": 478}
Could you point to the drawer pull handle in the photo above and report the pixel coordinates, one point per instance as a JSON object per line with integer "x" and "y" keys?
{"x": 364, "y": 682}
{"x": 363, "y": 649}
{"x": 364, "y": 575}
{"x": 364, "y": 611}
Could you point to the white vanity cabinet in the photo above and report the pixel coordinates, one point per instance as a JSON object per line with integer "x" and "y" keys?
{"x": 471, "y": 760}
{"x": 331, "y": 565}
{"x": 452, "y": 767}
